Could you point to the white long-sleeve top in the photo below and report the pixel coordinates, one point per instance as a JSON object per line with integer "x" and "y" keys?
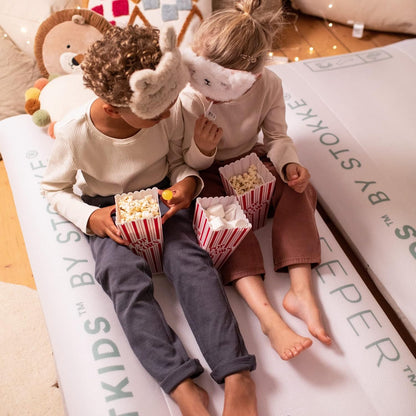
{"x": 262, "y": 108}
{"x": 85, "y": 158}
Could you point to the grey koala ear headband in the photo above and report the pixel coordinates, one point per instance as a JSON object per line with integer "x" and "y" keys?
{"x": 214, "y": 81}
{"x": 155, "y": 90}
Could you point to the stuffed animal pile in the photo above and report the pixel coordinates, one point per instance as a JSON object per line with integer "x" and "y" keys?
{"x": 60, "y": 44}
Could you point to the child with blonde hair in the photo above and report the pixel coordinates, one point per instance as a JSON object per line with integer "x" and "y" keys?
{"x": 231, "y": 98}
{"x": 130, "y": 138}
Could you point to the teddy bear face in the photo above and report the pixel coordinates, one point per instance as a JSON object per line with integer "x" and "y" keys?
{"x": 64, "y": 37}
{"x": 65, "y": 45}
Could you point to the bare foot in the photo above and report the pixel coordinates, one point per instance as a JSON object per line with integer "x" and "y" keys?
{"x": 302, "y": 304}
{"x": 240, "y": 395}
{"x": 287, "y": 343}
{"x": 191, "y": 399}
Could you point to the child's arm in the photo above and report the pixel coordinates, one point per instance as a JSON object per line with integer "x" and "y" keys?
{"x": 201, "y": 135}
{"x": 58, "y": 186}
{"x": 178, "y": 169}
{"x": 182, "y": 195}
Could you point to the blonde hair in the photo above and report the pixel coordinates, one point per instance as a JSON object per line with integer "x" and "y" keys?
{"x": 240, "y": 37}
{"x": 111, "y": 61}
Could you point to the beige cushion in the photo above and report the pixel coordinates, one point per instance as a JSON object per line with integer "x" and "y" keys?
{"x": 21, "y": 19}
{"x": 18, "y": 72}
{"x": 383, "y": 15}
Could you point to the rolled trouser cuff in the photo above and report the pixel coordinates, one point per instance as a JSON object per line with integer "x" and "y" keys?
{"x": 246, "y": 363}
{"x": 189, "y": 369}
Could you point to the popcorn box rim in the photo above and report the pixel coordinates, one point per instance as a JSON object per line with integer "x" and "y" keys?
{"x": 229, "y": 170}
{"x": 137, "y": 195}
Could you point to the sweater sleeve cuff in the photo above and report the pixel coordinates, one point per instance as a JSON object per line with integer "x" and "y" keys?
{"x": 195, "y": 158}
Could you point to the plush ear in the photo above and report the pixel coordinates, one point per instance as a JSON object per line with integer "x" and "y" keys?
{"x": 167, "y": 39}
{"x": 154, "y": 90}
{"x": 146, "y": 81}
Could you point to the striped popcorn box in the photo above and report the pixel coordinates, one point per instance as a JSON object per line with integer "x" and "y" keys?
{"x": 219, "y": 241}
{"x": 145, "y": 235}
{"x": 256, "y": 201}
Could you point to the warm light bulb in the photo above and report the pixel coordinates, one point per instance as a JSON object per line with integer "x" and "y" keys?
{"x": 311, "y": 49}
{"x": 270, "y": 54}
{"x": 330, "y": 6}
{"x": 23, "y": 29}
{"x": 334, "y": 47}
{"x": 296, "y": 58}
{"x": 330, "y": 24}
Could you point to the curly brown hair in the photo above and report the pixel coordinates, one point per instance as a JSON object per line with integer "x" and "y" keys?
{"x": 111, "y": 61}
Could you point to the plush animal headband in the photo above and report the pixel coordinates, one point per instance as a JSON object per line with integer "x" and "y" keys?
{"x": 214, "y": 81}
{"x": 154, "y": 90}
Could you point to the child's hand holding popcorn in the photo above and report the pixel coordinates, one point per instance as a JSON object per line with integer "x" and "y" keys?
{"x": 297, "y": 177}
{"x": 101, "y": 224}
{"x": 182, "y": 194}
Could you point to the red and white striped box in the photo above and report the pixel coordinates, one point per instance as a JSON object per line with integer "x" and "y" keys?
{"x": 221, "y": 243}
{"x": 145, "y": 236}
{"x": 256, "y": 202}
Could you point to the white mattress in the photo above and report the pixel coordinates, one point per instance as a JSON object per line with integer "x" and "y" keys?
{"x": 353, "y": 120}
{"x": 367, "y": 371}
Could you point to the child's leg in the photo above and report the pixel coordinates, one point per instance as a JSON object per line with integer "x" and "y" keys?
{"x": 296, "y": 246}
{"x": 203, "y": 299}
{"x": 300, "y": 301}
{"x": 240, "y": 395}
{"x": 127, "y": 280}
{"x": 244, "y": 269}
{"x": 191, "y": 399}
{"x": 284, "y": 340}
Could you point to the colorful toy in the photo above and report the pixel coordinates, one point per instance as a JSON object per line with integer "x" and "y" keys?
{"x": 60, "y": 44}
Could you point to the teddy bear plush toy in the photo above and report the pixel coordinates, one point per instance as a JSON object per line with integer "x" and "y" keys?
{"x": 60, "y": 44}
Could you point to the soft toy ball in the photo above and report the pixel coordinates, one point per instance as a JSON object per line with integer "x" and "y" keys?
{"x": 51, "y": 129}
{"x": 32, "y": 105}
{"x": 32, "y": 93}
{"x": 41, "y": 118}
{"x": 40, "y": 83}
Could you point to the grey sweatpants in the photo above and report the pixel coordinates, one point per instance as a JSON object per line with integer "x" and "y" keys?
{"x": 127, "y": 280}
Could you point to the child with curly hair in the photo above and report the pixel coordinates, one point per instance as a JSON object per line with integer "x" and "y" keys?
{"x": 231, "y": 99}
{"x": 130, "y": 138}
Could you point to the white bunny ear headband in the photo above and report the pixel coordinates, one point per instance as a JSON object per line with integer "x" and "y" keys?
{"x": 214, "y": 81}
{"x": 155, "y": 90}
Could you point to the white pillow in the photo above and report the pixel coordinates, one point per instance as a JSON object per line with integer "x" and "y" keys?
{"x": 21, "y": 19}
{"x": 383, "y": 15}
{"x": 184, "y": 15}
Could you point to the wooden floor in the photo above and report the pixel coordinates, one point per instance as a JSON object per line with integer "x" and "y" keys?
{"x": 304, "y": 37}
